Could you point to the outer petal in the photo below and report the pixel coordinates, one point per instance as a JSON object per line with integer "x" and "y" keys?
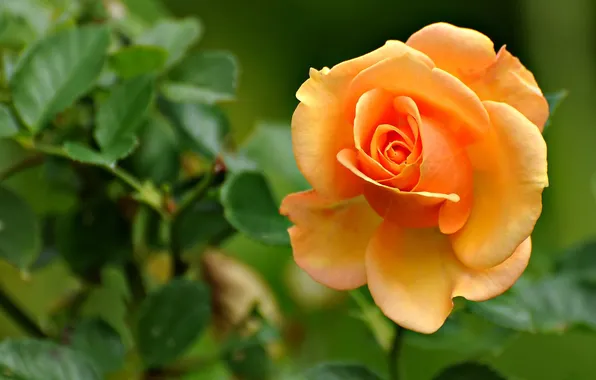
{"x": 433, "y": 90}
{"x": 413, "y": 274}
{"x": 329, "y": 240}
{"x": 508, "y": 81}
{"x": 409, "y": 276}
{"x": 486, "y": 284}
{"x": 510, "y": 175}
{"x": 321, "y": 127}
{"x": 459, "y": 51}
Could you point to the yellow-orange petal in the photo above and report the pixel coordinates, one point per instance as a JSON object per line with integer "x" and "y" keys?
{"x": 329, "y": 239}
{"x": 408, "y": 209}
{"x": 459, "y": 51}
{"x": 434, "y": 89}
{"x": 446, "y": 169}
{"x": 413, "y": 274}
{"x": 370, "y": 109}
{"x": 510, "y": 174}
{"x": 508, "y": 81}
{"x": 410, "y": 276}
{"x": 321, "y": 126}
{"x": 482, "y": 285}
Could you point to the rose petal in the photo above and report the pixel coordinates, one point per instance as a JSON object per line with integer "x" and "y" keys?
{"x": 433, "y": 89}
{"x": 329, "y": 239}
{"x": 320, "y": 126}
{"x": 408, "y": 276}
{"x": 510, "y": 175}
{"x": 486, "y": 284}
{"x": 408, "y": 209}
{"x": 459, "y": 51}
{"x": 413, "y": 274}
{"x": 371, "y": 111}
{"x": 508, "y": 81}
{"x": 446, "y": 168}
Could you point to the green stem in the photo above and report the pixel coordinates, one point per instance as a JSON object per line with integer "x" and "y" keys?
{"x": 394, "y": 353}
{"x": 196, "y": 193}
{"x": 380, "y": 326}
{"x": 27, "y": 163}
{"x": 17, "y": 315}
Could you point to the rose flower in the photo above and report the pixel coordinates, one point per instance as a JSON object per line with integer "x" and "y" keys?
{"x": 427, "y": 166}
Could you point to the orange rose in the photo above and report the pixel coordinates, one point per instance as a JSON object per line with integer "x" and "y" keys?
{"x": 427, "y": 164}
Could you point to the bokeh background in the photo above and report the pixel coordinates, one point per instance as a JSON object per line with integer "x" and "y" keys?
{"x": 276, "y": 41}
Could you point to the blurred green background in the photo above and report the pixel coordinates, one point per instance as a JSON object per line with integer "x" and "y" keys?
{"x": 276, "y": 41}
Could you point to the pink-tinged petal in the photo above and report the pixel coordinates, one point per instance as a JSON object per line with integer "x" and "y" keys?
{"x": 329, "y": 239}
{"x": 413, "y": 274}
{"x": 410, "y": 276}
{"x": 508, "y": 81}
{"x": 459, "y": 51}
{"x": 322, "y": 125}
{"x": 510, "y": 174}
{"x": 482, "y": 285}
{"x": 446, "y": 169}
{"x": 433, "y": 90}
{"x": 408, "y": 209}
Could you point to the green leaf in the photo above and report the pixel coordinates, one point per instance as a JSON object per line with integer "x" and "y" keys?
{"x": 205, "y": 127}
{"x": 554, "y": 101}
{"x": 250, "y": 208}
{"x": 204, "y": 77}
{"x": 20, "y": 232}
{"x": 109, "y": 302}
{"x": 14, "y": 30}
{"x": 550, "y": 305}
{"x": 339, "y": 371}
{"x": 56, "y": 71}
{"x": 157, "y": 157}
{"x": 100, "y": 342}
{"x": 270, "y": 146}
{"x": 469, "y": 371}
{"x": 579, "y": 262}
{"x": 137, "y": 60}
{"x": 93, "y": 237}
{"x": 193, "y": 232}
{"x": 8, "y": 126}
{"x": 81, "y": 153}
{"x": 175, "y": 36}
{"x": 464, "y": 333}
{"x": 30, "y": 359}
{"x": 120, "y": 115}
{"x": 171, "y": 319}
{"x": 35, "y": 14}
{"x": 249, "y": 363}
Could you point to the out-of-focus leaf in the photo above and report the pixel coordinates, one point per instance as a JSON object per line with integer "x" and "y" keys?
{"x": 579, "y": 262}
{"x": 36, "y": 14}
{"x": 202, "y": 224}
{"x": 469, "y": 371}
{"x": 81, "y": 153}
{"x": 250, "y": 363}
{"x": 250, "y": 208}
{"x": 171, "y": 319}
{"x": 20, "y": 232}
{"x": 204, "y": 127}
{"x": 109, "y": 302}
{"x": 175, "y": 36}
{"x": 120, "y": 115}
{"x": 553, "y": 304}
{"x": 464, "y": 333}
{"x": 157, "y": 157}
{"x": 100, "y": 342}
{"x": 15, "y": 32}
{"x": 29, "y": 359}
{"x": 57, "y": 70}
{"x": 8, "y": 126}
{"x": 137, "y": 60}
{"x": 204, "y": 77}
{"x": 270, "y": 146}
{"x": 554, "y": 101}
{"x": 339, "y": 371}
{"x": 92, "y": 237}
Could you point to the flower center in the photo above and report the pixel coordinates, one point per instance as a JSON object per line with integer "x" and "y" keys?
{"x": 397, "y": 152}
